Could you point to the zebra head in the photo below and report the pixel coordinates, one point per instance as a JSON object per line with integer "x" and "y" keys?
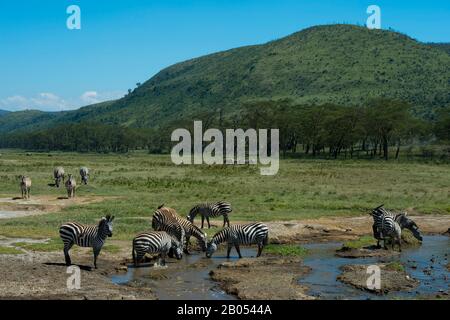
{"x": 106, "y": 225}
{"x": 406, "y": 223}
{"x": 211, "y": 248}
{"x": 190, "y": 217}
{"x": 177, "y": 249}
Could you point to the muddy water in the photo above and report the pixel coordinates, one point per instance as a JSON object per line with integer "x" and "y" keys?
{"x": 432, "y": 257}
{"x": 187, "y": 279}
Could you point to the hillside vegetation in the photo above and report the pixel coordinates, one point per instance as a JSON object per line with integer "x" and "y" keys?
{"x": 339, "y": 64}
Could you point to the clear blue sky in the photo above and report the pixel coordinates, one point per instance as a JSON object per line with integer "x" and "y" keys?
{"x": 44, "y": 65}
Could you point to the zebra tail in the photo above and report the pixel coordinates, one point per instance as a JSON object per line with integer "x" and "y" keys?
{"x": 266, "y": 240}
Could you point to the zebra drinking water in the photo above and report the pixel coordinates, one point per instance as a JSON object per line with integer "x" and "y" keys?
{"x": 155, "y": 242}
{"x": 389, "y": 225}
{"x": 86, "y": 236}
{"x": 25, "y": 187}
{"x": 71, "y": 185}
{"x": 189, "y": 228}
{"x": 84, "y": 173}
{"x": 163, "y": 220}
{"x": 58, "y": 174}
{"x": 211, "y": 210}
{"x": 253, "y": 233}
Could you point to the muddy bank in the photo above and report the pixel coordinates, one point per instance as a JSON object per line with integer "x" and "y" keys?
{"x": 392, "y": 278}
{"x": 342, "y": 228}
{"x": 368, "y": 252}
{"x": 43, "y": 276}
{"x": 266, "y": 277}
{"x": 17, "y": 207}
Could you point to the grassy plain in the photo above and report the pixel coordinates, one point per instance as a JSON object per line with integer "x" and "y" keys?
{"x": 134, "y": 185}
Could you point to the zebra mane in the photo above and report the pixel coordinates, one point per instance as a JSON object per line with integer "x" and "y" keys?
{"x": 161, "y": 206}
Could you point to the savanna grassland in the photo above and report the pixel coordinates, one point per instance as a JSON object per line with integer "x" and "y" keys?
{"x": 132, "y": 186}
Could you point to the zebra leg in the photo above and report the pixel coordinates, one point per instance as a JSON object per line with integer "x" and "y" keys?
{"x": 67, "y": 247}
{"x": 203, "y": 220}
{"x": 224, "y": 221}
{"x": 29, "y": 191}
{"x": 260, "y": 248}
{"x": 186, "y": 248}
{"x": 229, "y": 250}
{"x": 238, "y": 250}
{"x": 228, "y": 221}
{"x": 96, "y": 253}
{"x": 207, "y": 220}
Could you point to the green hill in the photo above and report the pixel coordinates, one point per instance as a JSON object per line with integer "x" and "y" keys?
{"x": 3, "y": 112}
{"x": 341, "y": 64}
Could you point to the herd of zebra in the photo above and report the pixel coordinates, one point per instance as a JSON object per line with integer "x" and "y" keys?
{"x": 59, "y": 175}
{"x": 170, "y": 235}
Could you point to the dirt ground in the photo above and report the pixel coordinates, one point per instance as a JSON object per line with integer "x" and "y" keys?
{"x": 43, "y": 276}
{"x": 263, "y": 278}
{"x": 391, "y": 280}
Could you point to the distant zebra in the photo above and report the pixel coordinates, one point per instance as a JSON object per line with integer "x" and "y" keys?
{"x": 25, "y": 187}
{"x": 253, "y": 233}
{"x": 163, "y": 220}
{"x": 211, "y": 210}
{"x": 389, "y": 225}
{"x": 155, "y": 242}
{"x": 189, "y": 228}
{"x": 58, "y": 174}
{"x": 84, "y": 173}
{"x": 86, "y": 236}
{"x": 71, "y": 185}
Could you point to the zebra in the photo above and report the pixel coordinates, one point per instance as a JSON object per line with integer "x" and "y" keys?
{"x": 389, "y": 225}
{"x": 86, "y": 236}
{"x": 71, "y": 185}
{"x": 189, "y": 228}
{"x": 211, "y": 210}
{"x": 84, "y": 173}
{"x": 25, "y": 187}
{"x": 155, "y": 242}
{"x": 163, "y": 220}
{"x": 253, "y": 233}
{"x": 58, "y": 174}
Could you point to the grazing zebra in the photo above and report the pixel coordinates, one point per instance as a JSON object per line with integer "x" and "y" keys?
{"x": 211, "y": 210}
{"x": 386, "y": 224}
{"x": 86, "y": 236}
{"x": 58, "y": 174}
{"x": 163, "y": 220}
{"x": 84, "y": 173}
{"x": 189, "y": 228}
{"x": 155, "y": 242}
{"x": 71, "y": 185}
{"x": 253, "y": 233}
{"x": 25, "y": 187}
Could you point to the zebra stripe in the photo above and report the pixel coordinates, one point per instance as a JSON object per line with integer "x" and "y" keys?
{"x": 253, "y": 233}
{"x": 157, "y": 242}
{"x": 386, "y": 226}
{"x": 163, "y": 221}
{"x": 211, "y": 210}
{"x": 86, "y": 236}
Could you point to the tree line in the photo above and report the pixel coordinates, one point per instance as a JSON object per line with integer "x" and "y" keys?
{"x": 378, "y": 129}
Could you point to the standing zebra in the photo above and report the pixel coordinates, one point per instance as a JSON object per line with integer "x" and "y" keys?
{"x": 58, "y": 174}
{"x": 389, "y": 225}
{"x": 86, "y": 236}
{"x": 189, "y": 228}
{"x": 211, "y": 210}
{"x": 155, "y": 242}
{"x": 71, "y": 185}
{"x": 163, "y": 220}
{"x": 253, "y": 233}
{"x": 84, "y": 173}
{"x": 25, "y": 187}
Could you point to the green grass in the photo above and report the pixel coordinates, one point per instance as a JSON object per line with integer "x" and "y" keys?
{"x": 52, "y": 245}
{"x": 286, "y": 250}
{"x": 134, "y": 185}
{"x": 362, "y": 242}
{"x": 9, "y": 250}
{"x": 395, "y": 266}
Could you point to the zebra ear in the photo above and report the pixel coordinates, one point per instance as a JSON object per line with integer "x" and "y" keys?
{"x": 112, "y": 218}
